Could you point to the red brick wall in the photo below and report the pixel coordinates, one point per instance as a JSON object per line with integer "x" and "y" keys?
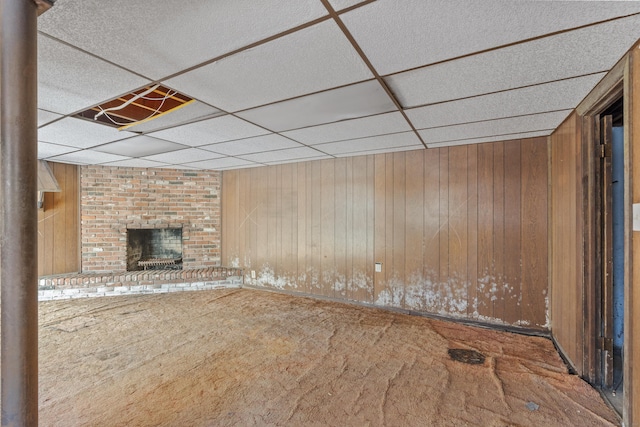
{"x": 116, "y": 198}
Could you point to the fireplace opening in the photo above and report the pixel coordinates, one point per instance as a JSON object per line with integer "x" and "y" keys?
{"x": 154, "y": 249}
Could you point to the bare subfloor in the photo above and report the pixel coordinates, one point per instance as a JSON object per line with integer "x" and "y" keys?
{"x": 243, "y": 357}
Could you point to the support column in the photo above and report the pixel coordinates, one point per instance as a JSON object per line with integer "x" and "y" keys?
{"x": 19, "y": 272}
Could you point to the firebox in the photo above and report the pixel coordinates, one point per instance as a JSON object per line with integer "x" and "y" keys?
{"x": 154, "y": 248}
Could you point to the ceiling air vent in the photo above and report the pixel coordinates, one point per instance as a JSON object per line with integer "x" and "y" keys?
{"x": 137, "y": 107}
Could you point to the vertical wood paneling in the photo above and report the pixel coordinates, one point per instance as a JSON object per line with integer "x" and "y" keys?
{"x": 513, "y": 231}
{"x": 486, "y": 273}
{"x": 380, "y": 228}
{"x": 229, "y": 228}
{"x": 390, "y": 268}
{"x": 349, "y": 230}
{"x": 566, "y": 244}
{"x": 414, "y": 230}
{"x": 431, "y": 219}
{"x": 371, "y": 225}
{"x": 302, "y": 183}
{"x": 497, "y": 289}
{"x": 458, "y": 232}
{"x": 59, "y": 220}
{"x": 315, "y": 191}
{"x": 472, "y": 227}
{"x": 398, "y": 223}
{"x": 449, "y": 226}
{"x": 443, "y": 233}
{"x": 58, "y": 224}
{"x": 534, "y": 207}
{"x": 244, "y": 181}
{"x": 340, "y": 228}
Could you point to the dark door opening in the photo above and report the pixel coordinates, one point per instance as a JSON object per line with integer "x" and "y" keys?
{"x": 610, "y": 237}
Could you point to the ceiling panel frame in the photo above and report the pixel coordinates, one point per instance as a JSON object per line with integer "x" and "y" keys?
{"x": 369, "y": 64}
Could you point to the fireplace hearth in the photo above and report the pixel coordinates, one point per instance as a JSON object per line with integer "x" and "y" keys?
{"x": 154, "y": 249}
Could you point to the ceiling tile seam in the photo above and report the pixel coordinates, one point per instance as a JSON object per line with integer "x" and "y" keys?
{"x": 369, "y": 64}
{"x": 61, "y": 145}
{"x": 93, "y": 55}
{"x": 490, "y": 136}
{"x": 380, "y": 150}
{"x": 303, "y": 159}
{"x": 259, "y": 152}
{"x": 302, "y": 96}
{"x": 318, "y": 145}
{"x": 353, "y": 7}
{"x": 141, "y": 167}
{"x": 530, "y": 39}
{"x": 340, "y": 121}
{"x": 505, "y": 90}
{"x": 568, "y": 110}
{"x": 137, "y": 136}
{"x": 247, "y": 47}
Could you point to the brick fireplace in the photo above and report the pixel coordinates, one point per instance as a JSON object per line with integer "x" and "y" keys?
{"x": 117, "y": 199}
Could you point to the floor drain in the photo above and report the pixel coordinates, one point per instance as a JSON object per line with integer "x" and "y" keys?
{"x": 466, "y": 356}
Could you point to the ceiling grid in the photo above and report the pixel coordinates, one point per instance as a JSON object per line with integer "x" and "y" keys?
{"x": 283, "y": 81}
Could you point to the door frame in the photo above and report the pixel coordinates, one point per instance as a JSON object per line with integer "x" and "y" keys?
{"x": 614, "y": 86}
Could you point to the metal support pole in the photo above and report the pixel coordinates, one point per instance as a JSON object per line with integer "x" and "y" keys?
{"x": 19, "y": 271}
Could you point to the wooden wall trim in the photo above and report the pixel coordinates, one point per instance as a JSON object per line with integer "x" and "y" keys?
{"x": 632, "y": 258}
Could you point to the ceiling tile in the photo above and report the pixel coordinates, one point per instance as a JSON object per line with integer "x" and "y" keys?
{"x": 70, "y": 80}
{"x": 363, "y": 99}
{"x": 183, "y": 156}
{"x": 372, "y": 143}
{"x": 400, "y": 34}
{"x": 138, "y": 163}
{"x": 140, "y": 146}
{"x": 310, "y": 60}
{"x": 553, "y": 96}
{"x": 383, "y": 150}
{"x": 225, "y": 162}
{"x": 587, "y": 50}
{"x": 80, "y": 133}
{"x": 45, "y": 117}
{"x": 349, "y": 129}
{"x": 191, "y": 112}
{"x": 535, "y": 122}
{"x": 281, "y": 155}
{"x": 210, "y": 131}
{"x": 46, "y": 150}
{"x": 88, "y": 157}
{"x": 252, "y": 145}
{"x": 159, "y": 38}
{"x": 509, "y": 137}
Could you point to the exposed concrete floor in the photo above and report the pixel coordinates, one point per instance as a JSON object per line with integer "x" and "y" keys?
{"x": 244, "y": 357}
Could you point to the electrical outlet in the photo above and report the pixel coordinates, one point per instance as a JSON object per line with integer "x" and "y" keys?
{"x": 378, "y": 267}
{"x": 253, "y": 274}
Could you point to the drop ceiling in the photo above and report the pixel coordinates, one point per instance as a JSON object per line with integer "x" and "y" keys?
{"x": 280, "y": 81}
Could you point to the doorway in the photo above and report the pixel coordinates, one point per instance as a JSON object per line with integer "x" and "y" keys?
{"x": 610, "y": 249}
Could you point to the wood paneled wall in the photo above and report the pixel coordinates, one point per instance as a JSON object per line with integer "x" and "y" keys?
{"x": 567, "y": 251}
{"x": 59, "y": 225}
{"x": 459, "y": 231}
